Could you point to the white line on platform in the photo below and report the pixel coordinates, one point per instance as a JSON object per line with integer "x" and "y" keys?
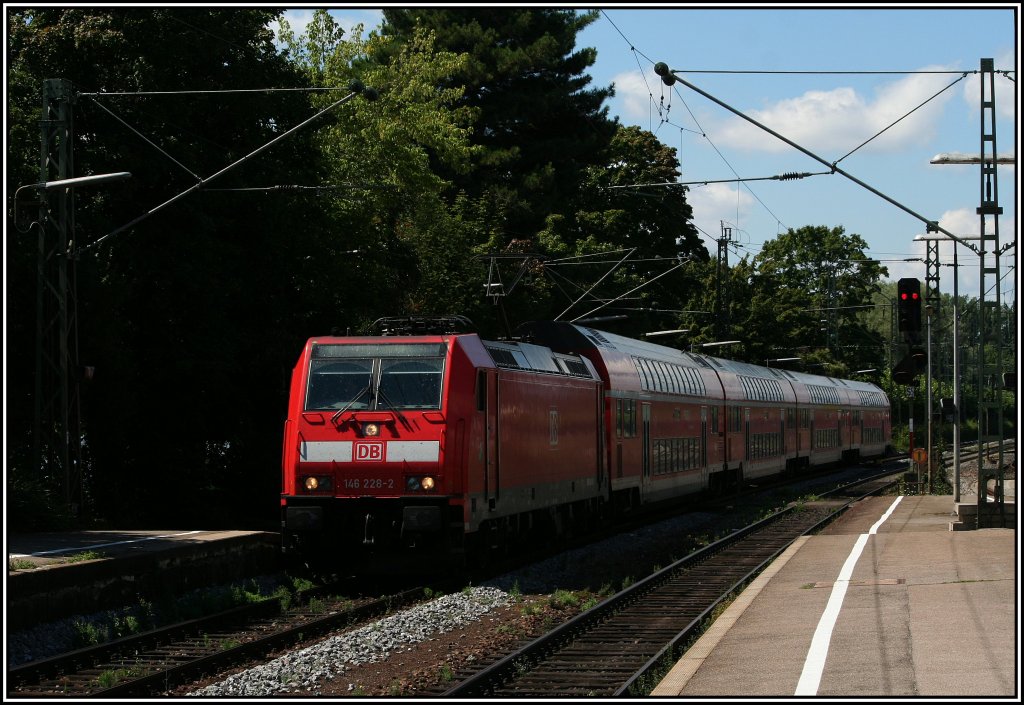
{"x": 102, "y": 545}
{"x": 814, "y": 665}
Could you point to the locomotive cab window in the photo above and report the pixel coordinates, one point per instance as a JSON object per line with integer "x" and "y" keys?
{"x": 335, "y": 383}
{"x": 394, "y": 378}
{"x": 410, "y": 384}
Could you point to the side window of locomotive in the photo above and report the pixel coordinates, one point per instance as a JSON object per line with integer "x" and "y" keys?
{"x": 334, "y": 384}
{"x": 481, "y": 390}
{"x": 410, "y": 384}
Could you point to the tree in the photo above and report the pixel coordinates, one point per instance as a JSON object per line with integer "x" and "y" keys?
{"x": 811, "y": 285}
{"x": 539, "y": 124}
{"x": 188, "y": 315}
{"x": 390, "y": 155}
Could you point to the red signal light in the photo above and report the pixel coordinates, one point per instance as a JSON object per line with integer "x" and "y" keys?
{"x": 909, "y": 299}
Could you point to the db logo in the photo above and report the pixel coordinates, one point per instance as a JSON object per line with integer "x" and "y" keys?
{"x": 368, "y": 451}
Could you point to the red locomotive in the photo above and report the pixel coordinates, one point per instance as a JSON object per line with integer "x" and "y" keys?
{"x": 414, "y": 450}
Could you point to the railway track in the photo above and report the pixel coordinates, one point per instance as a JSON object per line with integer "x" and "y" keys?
{"x": 610, "y": 649}
{"x": 158, "y": 660}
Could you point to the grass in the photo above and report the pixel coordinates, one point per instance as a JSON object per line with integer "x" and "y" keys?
{"x": 84, "y": 556}
{"x": 561, "y": 599}
{"x": 144, "y": 615}
{"x": 108, "y": 679}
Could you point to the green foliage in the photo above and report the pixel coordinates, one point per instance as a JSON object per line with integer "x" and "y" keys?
{"x": 561, "y": 599}
{"x": 33, "y": 506}
{"x": 168, "y": 309}
{"x": 487, "y": 137}
{"x": 84, "y": 556}
{"x": 111, "y": 677}
{"x": 813, "y": 285}
{"x": 86, "y": 634}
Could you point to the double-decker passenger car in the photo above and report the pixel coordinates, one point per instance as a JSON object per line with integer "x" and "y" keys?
{"x": 432, "y": 446}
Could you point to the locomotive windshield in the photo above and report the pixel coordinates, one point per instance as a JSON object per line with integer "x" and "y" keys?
{"x": 400, "y": 376}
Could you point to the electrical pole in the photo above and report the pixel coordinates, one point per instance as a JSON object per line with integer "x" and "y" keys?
{"x": 990, "y": 350}
{"x": 722, "y": 288}
{"x": 57, "y": 449}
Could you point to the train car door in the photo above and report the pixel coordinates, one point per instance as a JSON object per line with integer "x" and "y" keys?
{"x": 746, "y": 434}
{"x": 490, "y": 391}
{"x": 703, "y": 446}
{"x": 782, "y": 450}
{"x": 645, "y": 433}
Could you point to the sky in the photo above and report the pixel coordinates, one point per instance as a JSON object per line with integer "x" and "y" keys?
{"x": 879, "y": 91}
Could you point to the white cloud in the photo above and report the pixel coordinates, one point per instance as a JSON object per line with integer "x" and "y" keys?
{"x": 834, "y": 120}
{"x": 717, "y": 203}
{"x": 297, "y": 21}
{"x": 841, "y": 119}
{"x": 634, "y": 94}
{"x": 1006, "y": 100}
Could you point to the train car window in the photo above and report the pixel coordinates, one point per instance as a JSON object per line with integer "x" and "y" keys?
{"x": 676, "y": 372}
{"x": 664, "y": 377}
{"x": 618, "y": 418}
{"x": 335, "y": 384}
{"x": 714, "y": 419}
{"x": 642, "y": 372}
{"x": 481, "y": 390}
{"x": 410, "y": 384}
{"x": 629, "y": 418}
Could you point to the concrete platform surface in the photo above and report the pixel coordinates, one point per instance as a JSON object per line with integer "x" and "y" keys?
{"x": 61, "y": 548}
{"x": 887, "y": 602}
{"x": 55, "y": 575}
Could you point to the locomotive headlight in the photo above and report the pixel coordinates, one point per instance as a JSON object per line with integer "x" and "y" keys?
{"x": 417, "y": 483}
{"x": 371, "y": 429}
{"x": 313, "y": 483}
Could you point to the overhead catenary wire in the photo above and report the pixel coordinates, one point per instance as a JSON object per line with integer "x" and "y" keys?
{"x": 145, "y": 139}
{"x": 893, "y": 123}
{"x": 702, "y": 132}
{"x": 663, "y": 70}
{"x": 356, "y": 88}
{"x": 962, "y": 74}
{"x": 789, "y": 176}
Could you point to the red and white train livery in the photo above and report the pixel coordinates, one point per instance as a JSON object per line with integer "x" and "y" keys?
{"x": 433, "y": 447}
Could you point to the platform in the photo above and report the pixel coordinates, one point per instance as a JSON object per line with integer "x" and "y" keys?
{"x": 888, "y": 601}
{"x": 54, "y": 575}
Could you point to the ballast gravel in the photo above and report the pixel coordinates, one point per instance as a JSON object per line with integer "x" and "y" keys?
{"x": 303, "y": 671}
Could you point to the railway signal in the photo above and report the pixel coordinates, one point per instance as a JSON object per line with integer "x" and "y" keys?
{"x": 912, "y": 364}
{"x": 908, "y": 306}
